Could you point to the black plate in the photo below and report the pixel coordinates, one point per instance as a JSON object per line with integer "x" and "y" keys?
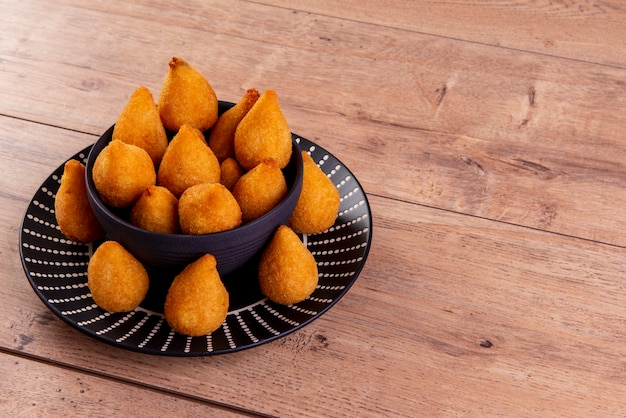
{"x": 57, "y": 270}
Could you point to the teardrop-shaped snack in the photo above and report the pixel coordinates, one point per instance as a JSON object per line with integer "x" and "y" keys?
{"x": 263, "y": 133}
{"x": 222, "y": 136}
{"x": 73, "y": 213}
{"x": 318, "y": 204}
{"x": 231, "y": 172}
{"x": 140, "y": 124}
{"x": 156, "y": 211}
{"x": 260, "y": 190}
{"x": 186, "y": 98}
{"x": 206, "y": 208}
{"x": 118, "y": 282}
{"x": 287, "y": 269}
{"x": 197, "y": 301}
{"x": 121, "y": 173}
{"x": 187, "y": 161}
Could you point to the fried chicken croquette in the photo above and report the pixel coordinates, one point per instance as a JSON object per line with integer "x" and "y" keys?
{"x": 260, "y": 190}
{"x": 231, "y": 171}
{"x": 186, "y": 98}
{"x": 156, "y": 211}
{"x": 287, "y": 269}
{"x": 263, "y": 133}
{"x": 140, "y": 124}
{"x": 206, "y": 208}
{"x": 318, "y": 204}
{"x": 187, "y": 161}
{"x": 73, "y": 213}
{"x": 222, "y": 136}
{"x": 197, "y": 301}
{"x": 121, "y": 173}
{"x": 118, "y": 282}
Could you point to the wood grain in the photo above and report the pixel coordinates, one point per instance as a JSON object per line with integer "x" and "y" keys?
{"x": 580, "y": 30}
{"x": 460, "y": 301}
{"x": 35, "y": 389}
{"x": 488, "y": 137}
{"x": 475, "y": 129}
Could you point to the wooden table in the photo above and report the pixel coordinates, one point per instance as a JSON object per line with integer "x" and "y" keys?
{"x": 490, "y": 138}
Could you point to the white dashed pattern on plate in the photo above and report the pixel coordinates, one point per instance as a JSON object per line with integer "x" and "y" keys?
{"x": 57, "y": 270}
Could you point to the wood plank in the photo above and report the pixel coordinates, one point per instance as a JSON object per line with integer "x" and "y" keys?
{"x": 467, "y": 308}
{"x": 33, "y": 389}
{"x": 458, "y": 312}
{"x": 456, "y": 127}
{"x": 493, "y": 313}
{"x": 582, "y": 30}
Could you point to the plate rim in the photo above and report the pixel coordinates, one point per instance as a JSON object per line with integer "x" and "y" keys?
{"x": 152, "y": 351}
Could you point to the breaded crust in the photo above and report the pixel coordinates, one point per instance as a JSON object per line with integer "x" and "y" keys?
{"x": 207, "y": 208}
{"x": 197, "y": 301}
{"x": 287, "y": 270}
{"x": 73, "y": 213}
{"x": 186, "y": 98}
{"x": 140, "y": 124}
{"x": 121, "y": 173}
{"x": 118, "y": 282}
{"x": 222, "y": 136}
{"x": 156, "y": 211}
{"x": 263, "y": 133}
{"x": 231, "y": 172}
{"x": 319, "y": 201}
{"x": 260, "y": 190}
{"x": 187, "y": 161}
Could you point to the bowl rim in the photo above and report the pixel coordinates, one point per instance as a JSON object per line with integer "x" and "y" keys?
{"x": 94, "y": 199}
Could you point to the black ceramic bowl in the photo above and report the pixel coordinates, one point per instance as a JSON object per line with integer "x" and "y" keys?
{"x": 232, "y": 248}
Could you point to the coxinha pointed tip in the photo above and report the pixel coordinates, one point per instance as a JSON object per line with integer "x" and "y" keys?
{"x": 175, "y": 61}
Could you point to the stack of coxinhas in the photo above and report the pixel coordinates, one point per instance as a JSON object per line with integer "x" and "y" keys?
{"x": 189, "y": 186}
